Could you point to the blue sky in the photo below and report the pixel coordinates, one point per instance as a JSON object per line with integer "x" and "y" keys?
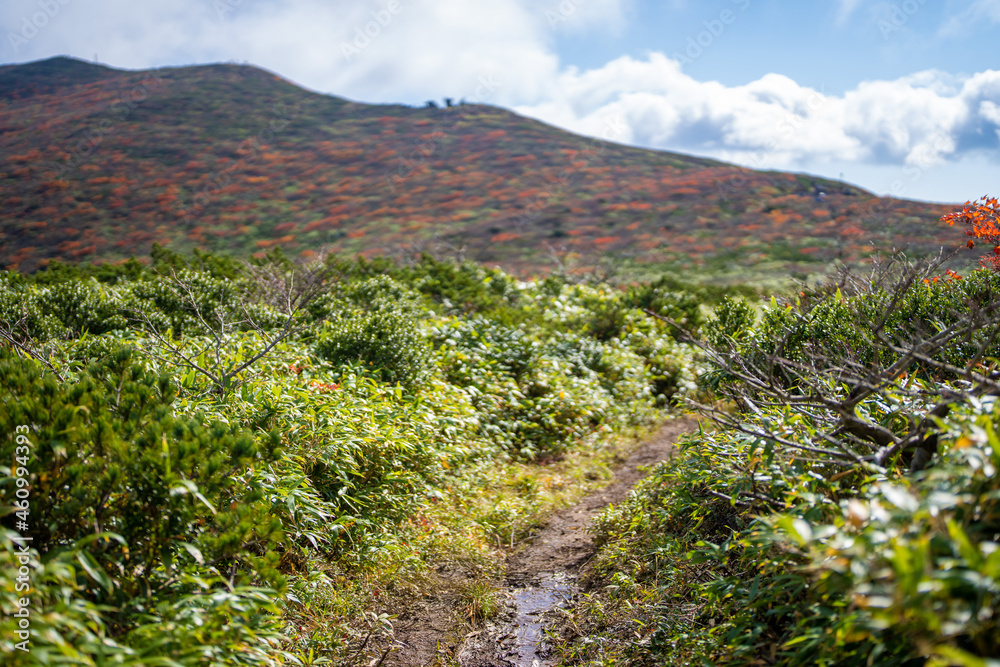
{"x": 900, "y": 97}
{"x": 822, "y": 43}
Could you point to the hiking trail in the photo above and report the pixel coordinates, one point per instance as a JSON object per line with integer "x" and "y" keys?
{"x": 540, "y": 577}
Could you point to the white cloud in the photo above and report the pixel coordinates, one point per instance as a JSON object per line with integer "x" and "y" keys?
{"x": 425, "y": 48}
{"x": 990, "y": 111}
{"x": 372, "y": 50}
{"x": 918, "y": 120}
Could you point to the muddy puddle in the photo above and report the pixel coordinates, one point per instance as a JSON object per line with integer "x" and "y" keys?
{"x": 518, "y": 638}
{"x": 553, "y": 590}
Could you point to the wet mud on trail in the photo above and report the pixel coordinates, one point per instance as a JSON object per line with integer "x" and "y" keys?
{"x": 540, "y": 577}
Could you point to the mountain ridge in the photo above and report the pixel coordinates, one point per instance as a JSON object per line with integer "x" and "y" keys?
{"x": 99, "y": 163}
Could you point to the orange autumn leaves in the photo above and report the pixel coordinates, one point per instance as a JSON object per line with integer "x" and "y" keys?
{"x": 383, "y": 179}
{"x": 982, "y": 218}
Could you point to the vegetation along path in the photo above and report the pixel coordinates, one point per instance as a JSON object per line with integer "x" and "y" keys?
{"x": 540, "y": 577}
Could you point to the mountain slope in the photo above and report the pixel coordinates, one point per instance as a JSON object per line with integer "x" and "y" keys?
{"x": 97, "y": 164}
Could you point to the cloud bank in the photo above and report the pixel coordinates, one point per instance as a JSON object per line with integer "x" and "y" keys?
{"x": 919, "y": 120}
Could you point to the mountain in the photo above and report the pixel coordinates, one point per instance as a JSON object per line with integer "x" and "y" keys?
{"x": 98, "y": 164}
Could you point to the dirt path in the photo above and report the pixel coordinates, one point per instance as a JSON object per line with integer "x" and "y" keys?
{"x": 539, "y": 577}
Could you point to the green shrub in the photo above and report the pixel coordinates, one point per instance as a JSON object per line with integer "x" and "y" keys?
{"x": 860, "y": 330}
{"x": 730, "y": 592}
{"x": 199, "y": 620}
{"x": 385, "y": 342}
{"x": 462, "y": 287}
{"x": 185, "y": 301}
{"x": 524, "y": 409}
{"x": 670, "y": 371}
{"x": 498, "y": 349}
{"x": 375, "y": 293}
{"x": 732, "y": 319}
{"x": 163, "y": 506}
{"x": 22, "y": 315}
{"x": 765, "y": 554}
{"x": 536, "y": 398}
{"x": 381, "y": 293}
{"x": 158, "y": 507}
{"x": 83, "y": 306}
{"x": 918, "y": 559}
{"x": 662, "y": 297}
{"x": 56, "y": 272}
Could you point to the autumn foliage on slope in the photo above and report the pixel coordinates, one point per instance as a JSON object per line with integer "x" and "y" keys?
{"x": 99, "y": 164}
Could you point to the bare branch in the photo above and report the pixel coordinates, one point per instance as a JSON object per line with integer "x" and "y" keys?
{"x": 850, "y": 387}
{"x": 25, "y": 344}
{"x": 273, "y": 286}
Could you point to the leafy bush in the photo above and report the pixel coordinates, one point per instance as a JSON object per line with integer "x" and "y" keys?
{"x": 155, "y": 508}
{"x": 377, "y": 293}
{"x": 732, "y": 319}
{"x": 728, "y": 592}
{"x": 22, "y": 315}
{"x": 385, "y": 342}
{"x": 867, "y": 569}
{"x": 199, "y": 620}
{"x": 662, "y": 297}
{"x": 381, "y": 293}
{"x": 788, "y": 536}
{"x": 56, "y": 272}
{"x": 187, "y": 302}
{"x": 869, "y": 326}
{"x": 491, "y": 361}
{"x": 462, "y": 287}
{"x": 919, "y": 559}
{"x": 671, "y": 367}
{"x": 534, "y": 396}
{"x": 83, "y": 306}
{"x": 499, "y": 349}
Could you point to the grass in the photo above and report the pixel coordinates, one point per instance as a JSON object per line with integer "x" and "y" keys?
{"x": 482, "y": 600}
